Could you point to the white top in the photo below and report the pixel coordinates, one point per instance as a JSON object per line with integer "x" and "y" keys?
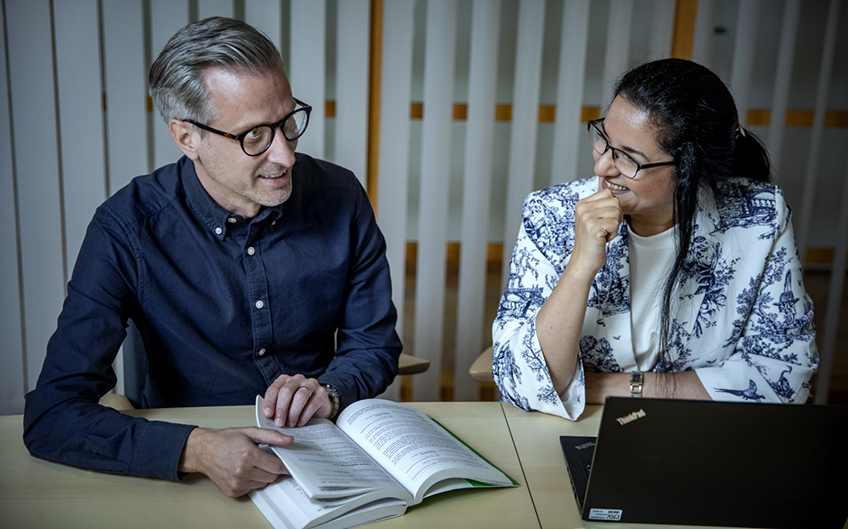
{"x": 651, "y": 259}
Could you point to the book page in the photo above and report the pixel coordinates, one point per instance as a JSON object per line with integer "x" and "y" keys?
{"x": 414, "y": 449}
{"x": 326, "y": 463}
{"x": 286, "y": 506}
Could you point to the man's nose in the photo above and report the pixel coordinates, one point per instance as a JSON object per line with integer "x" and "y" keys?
{"x": 282, "y": 150}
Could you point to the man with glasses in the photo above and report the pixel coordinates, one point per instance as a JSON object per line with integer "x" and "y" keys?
{"x": 248, "y": 269}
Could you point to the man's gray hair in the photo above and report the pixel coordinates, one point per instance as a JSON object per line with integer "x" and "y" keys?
{"x": 176, "y": 76}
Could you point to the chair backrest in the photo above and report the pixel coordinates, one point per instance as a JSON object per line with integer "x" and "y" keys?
{"x": 135, "y": 365}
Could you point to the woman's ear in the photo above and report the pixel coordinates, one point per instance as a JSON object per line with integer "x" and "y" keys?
{"x": 186, "y": 138}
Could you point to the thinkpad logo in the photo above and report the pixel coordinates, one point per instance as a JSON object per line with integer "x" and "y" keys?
{"x": 632, "y": 417}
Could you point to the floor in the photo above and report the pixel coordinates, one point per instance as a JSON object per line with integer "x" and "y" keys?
{"x": 817, "y": 283}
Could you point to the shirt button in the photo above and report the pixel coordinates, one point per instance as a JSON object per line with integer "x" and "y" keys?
{"x": 262, "y": 352}
{"x": 259, "y": 304}
{"x": 231, "y": 220}
{"x": 251, "y": 251}
{"x": 219, "y": 231}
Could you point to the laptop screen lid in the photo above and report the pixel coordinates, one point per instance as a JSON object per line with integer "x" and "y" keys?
{"x": 719, "y": 463}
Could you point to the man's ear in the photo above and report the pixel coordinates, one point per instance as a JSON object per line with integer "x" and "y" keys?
{"x": 186, "y": 138}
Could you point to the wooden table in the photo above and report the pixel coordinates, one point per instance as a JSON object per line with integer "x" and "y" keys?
{"x": 35, "y": 493}
{"x": 39, "y": 494}
{"x": 536, "y": 438}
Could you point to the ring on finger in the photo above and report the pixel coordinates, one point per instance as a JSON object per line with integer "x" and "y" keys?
{"x": 307, "y": 389}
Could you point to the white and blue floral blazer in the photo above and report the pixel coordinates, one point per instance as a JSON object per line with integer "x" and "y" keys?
{"x": 741, "y": 318}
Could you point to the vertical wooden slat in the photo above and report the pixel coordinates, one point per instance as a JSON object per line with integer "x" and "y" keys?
{"x": 435, "y": 182}
{"x": 810, "y": 174}
{"x": 834, "y": 302}
{"x": 220, "y": 8}
{"x": 126, "y": 92}
{"x": 266, "y": 16}
{"x": 525, "y": 114}
{"x": 375, "y": 83}
{"x": 782, "y": 81}
{"x": 704, "y": 24}
{"x": 352, "y": 82}
{"x": 166, "y": 18}
{"x": 393, "y": 164}
{"x": 80, "y": 116}
{"x": 618, "y": 46}
{"x": 307, "y": 72}
{"x": 12, "y": 378}
{"x": 743, "y": 56}
{"x": 568, "y": 128}
{"x": 478, "y": 172}
{"x": 36, "y": 152}
{"x": 662, "y": 29}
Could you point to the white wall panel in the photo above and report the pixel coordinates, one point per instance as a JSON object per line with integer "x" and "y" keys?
{"x": 568, "y": 128}
{"x": 479, "y": 159}
{"x": 76, "y": 27}
{"x": 12, "y": 386}
{"x": 834, "y": 302}
{"x": 435, "y": 181}
{"x": 307, "y": 71}
{"x": 743, "y": 56}
{"x": 811, "y": 172}
{"x": 352, "y": 68}
{"x": 126, "y": 92}
{"x": 393, "y": 189}
{"x": 704, "y": 28}
{"x": 166, "y": 18}
{"x": 37, "y": 162}
{"x": 663, "y": 28}
{"x": 619, "y": 23}
{"x": 125, "y": 82}
{"x": 218, "y": 8}
{"x": 266, "y": 16}
{"x": 525, "y": 117}
{"x": 783, "y": 78}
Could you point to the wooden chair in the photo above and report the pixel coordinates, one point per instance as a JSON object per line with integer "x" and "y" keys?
{"x": 481, "y": 369}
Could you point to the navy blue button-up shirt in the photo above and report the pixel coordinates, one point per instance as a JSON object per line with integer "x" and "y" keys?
{"x": 224, "y": 306}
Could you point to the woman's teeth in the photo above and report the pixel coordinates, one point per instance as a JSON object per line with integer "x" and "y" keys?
{"x": 615, "y": 187}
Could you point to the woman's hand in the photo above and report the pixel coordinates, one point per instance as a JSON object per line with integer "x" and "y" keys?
{"x": 596, "y": 222}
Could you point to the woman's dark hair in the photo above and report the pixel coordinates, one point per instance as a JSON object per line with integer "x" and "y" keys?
{"x": 695, "y": 120}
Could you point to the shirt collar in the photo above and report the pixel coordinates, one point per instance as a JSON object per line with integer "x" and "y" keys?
{"x": 210, "y": 212}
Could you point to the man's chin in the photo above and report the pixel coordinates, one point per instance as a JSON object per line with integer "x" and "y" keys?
{"x": 275, "y": 198}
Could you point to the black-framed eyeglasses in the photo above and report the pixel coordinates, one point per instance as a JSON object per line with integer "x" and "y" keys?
{"x": 259, "y": 139}
{"x": 625, "y": 164}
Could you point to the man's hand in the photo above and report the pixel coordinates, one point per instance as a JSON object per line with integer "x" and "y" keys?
{"x": 292, "y": 401}
{"x": 232, "y": 459}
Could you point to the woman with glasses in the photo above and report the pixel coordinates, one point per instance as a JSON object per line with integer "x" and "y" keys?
{"x": 673, "y": 273}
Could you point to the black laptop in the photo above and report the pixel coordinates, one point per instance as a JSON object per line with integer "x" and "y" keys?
{"x": 689, "y": 462}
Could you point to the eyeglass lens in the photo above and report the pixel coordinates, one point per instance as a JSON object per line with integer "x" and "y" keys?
{"x": 626, "y": 165}
{"x": 258, "y": 140}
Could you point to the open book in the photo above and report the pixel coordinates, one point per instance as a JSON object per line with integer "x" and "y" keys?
{"x": 379, "y": 458}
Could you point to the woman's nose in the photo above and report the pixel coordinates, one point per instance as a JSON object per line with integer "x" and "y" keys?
{"x": 605, "y": 165}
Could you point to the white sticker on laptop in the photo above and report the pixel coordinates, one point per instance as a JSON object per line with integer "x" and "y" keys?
{"x": 607, "y": 515}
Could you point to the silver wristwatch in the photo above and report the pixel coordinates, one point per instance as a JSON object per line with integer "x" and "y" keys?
{"x": 636, "y": 384}
{"x": 333, "y": 393}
